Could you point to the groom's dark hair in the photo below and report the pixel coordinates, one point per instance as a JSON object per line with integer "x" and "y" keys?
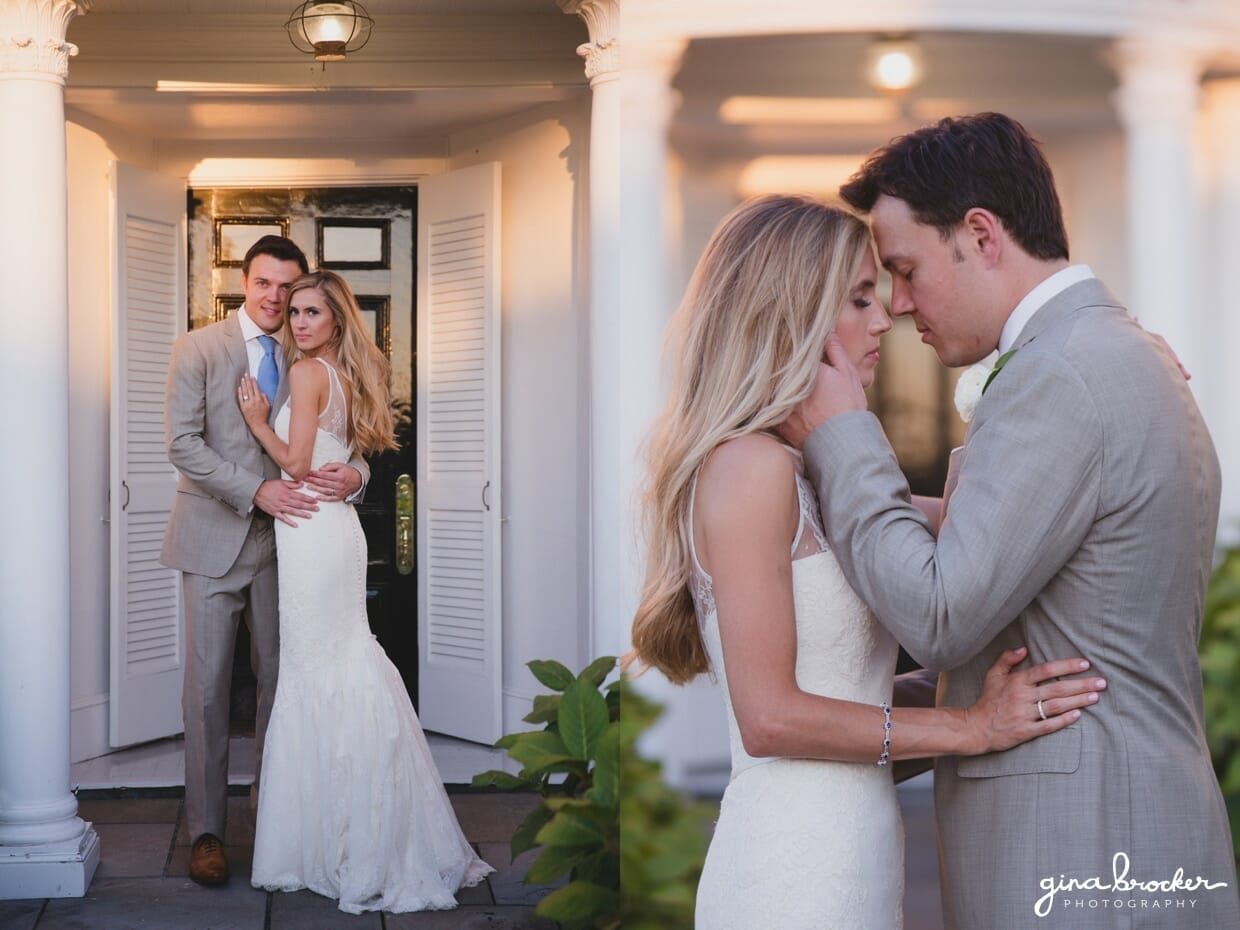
{"x": 278, "y": 247}
{"x": 985, "y": 160}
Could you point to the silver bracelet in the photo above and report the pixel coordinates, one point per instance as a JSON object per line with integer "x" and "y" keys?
{"x": 885, "y": 755}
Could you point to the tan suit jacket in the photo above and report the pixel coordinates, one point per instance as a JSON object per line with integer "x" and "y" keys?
{"x": 1083, "y": 523}
{"x": 220, "y": 462}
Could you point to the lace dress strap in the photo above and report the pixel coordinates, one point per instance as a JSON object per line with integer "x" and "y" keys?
{"x": 702, "y": 585}
{"x": 334, "y": 417}
{"x": 810, "y": 516}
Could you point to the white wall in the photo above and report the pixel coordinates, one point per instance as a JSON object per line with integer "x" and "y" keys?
{"x": 90, "y": 290}
{"x": 1220, "y": 197}
{"x": 90, "y": 284}
{"x": 1090, "y": 173}
{"x": 545, "y": 378}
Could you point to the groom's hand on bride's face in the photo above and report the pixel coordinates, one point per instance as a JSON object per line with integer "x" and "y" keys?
{"x": 837, "y": 390}
{"x": 284, "y": 500}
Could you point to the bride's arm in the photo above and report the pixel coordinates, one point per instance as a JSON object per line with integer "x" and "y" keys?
{"x": 746, "y": 517}
{"x": 307, "y": 393}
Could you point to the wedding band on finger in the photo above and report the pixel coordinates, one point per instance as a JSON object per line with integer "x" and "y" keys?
{"x": 1041, "y": 711}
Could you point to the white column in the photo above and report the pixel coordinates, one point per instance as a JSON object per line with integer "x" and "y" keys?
{"x": 602, "y": 63}
{"x": 627, "y": 307}
{"x": 1157, "y": 101}
{"x": 1223, "y": 326}
{"x": 645, "y": 303}
{"x": 45, "y": 848}
{"x": 691, "y": 735}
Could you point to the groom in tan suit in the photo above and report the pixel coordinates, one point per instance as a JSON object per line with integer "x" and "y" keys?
{"x": 1082, "y": 523}
{"x": 220, "y": 534}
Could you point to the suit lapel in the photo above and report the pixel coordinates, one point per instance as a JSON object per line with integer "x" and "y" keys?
{"x": 281, "y": 390}
{"x": 241, "y": 358}
{"x": 234, "y": 345}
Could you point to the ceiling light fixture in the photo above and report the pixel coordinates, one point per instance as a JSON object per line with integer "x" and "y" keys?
{"x": 327, "y": 29}
{"x": 894, "y": 64}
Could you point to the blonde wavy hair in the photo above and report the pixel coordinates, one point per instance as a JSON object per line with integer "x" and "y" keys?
{"x": 372, "y": 426}
{"x": 745, "y": 345}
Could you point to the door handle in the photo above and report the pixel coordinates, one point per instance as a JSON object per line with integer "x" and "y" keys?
{"x": 406, "y": 557}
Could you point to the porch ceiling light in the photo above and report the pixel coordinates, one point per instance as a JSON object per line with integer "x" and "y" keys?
{"x": 894, "y": 64}
{"x": 328, "y": 29}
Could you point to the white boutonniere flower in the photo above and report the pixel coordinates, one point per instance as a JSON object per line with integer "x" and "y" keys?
{"x": 972, "y": 383}
{"x": 969, "y": 386}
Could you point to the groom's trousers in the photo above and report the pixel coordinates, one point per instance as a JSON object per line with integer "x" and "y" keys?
{"x": 213, "y": 607}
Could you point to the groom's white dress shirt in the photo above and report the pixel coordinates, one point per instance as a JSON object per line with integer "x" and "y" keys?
{"x": 1037, "y": 298}
{"x": 250, "y": 331}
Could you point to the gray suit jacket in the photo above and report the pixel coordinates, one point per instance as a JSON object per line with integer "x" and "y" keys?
{"x": 1083, "y": 523}
{"x": 220, "y": 462}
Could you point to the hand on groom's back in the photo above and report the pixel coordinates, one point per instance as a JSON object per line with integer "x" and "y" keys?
{"x": 283, "y": 500}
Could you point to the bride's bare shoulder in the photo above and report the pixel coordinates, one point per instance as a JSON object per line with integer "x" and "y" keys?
{"x": 304, "y": 371}
{"x": 755, "y": 467}
{"x": 745, "y": 502}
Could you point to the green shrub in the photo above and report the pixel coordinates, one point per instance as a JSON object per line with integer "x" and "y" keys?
{"x": 633, "y": 856}
{"x": 662, "y": 834}
{"x": 1220, "y": 669}
{"x": 574, "y": 763}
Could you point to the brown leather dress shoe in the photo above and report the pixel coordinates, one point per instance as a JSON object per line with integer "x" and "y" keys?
{"x": 207, "y": 865}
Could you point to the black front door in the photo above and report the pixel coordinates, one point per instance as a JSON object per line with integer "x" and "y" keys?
{"x": 391, "y": 573}
{"x": 368, "y": 236}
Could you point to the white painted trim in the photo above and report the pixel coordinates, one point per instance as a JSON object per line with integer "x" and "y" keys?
{"x": 64, "y": 871}
{"x": 652, "y": 20}
{"x": 516, "y": 705}
{"x": 310, "y": 172}
{"x": 88, "y": 728}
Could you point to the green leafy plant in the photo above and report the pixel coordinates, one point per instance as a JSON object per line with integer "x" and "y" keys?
{"x": 574, "y": 763}
{"x": 663, "y": 835}
{"x": 1220, "y": 668}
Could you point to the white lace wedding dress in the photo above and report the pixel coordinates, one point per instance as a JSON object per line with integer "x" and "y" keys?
{"x": 350, "y": 805}
{"x": 804, "y": 844}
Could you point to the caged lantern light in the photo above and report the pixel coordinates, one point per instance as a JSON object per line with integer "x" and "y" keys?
{"x": 328, "y": 29}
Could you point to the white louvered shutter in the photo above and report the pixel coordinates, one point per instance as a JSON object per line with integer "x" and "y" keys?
{"x": 458, "y": 487}
{"x": 147, "y": 647}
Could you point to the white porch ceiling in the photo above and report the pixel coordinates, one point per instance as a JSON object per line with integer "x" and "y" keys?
{"x": 438, "y": 67}
{"x": 374, "y": 7}
{"x": 1056, "y": 84}
{"x": 431, "y": 68}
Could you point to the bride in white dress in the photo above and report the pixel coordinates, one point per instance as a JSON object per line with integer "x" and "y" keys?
{"x": 350, "y": 804}
{"x": 740, "y": 584}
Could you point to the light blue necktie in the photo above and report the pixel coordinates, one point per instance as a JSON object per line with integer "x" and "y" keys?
{"x": 268, "y": 374}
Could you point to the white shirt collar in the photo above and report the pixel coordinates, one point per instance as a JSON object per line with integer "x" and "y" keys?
{"x": 249, "y": 329}
{"x": 1038, "y": 298}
